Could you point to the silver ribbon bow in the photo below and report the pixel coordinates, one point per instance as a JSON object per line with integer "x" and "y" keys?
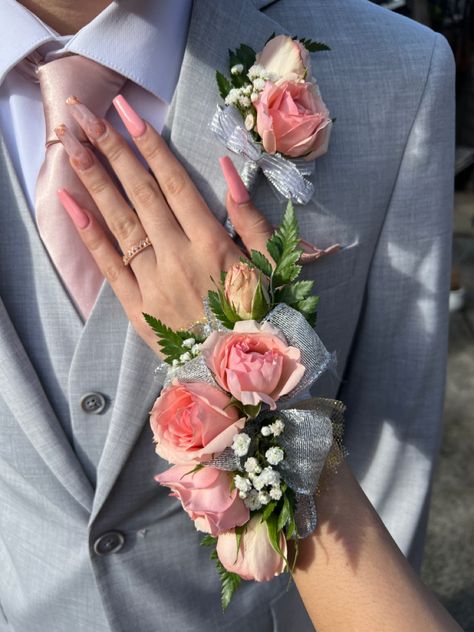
{"x": 287, "y": 176}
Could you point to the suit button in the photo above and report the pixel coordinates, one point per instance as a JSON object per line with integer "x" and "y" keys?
{"x": 110, "y": 542}
{"x": 93, "y": 403}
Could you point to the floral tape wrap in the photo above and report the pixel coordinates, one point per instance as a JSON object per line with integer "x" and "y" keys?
{"x": 287, "y": 176}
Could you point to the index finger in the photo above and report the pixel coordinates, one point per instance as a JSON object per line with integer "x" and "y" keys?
{"x": 182, "y": 196}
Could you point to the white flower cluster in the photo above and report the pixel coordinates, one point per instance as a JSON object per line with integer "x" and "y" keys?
{"x": 246, "y": 95}
{"x": 261, "y": 483}
{"x": 194, "y": 350}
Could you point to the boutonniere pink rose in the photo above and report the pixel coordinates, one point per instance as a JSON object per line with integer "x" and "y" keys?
{"x": 274, "y": 114}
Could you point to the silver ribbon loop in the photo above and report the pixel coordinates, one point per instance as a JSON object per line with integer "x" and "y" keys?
{"x": 287, "y": 176}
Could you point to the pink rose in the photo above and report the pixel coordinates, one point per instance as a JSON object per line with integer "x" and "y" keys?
{"x": 253, "y": 363}
{"x": 256, "y": 558}
{"x": 191, "y": 422}
{"x": 285, "y": 59}
{"x": 246, "y": 289}
{"x": 293, "y": 120}
{"x": 206, "y": 497}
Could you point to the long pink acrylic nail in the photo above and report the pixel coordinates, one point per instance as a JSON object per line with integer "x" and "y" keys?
{"x": 79, "y": 217}
{"x": 80, "y": 156}
{"x": 93, "y": 126}
{"x": 237, "y": 189}
{"x": 134, "y": 124}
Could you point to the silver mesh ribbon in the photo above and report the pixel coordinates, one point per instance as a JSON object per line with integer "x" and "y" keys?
{"x": 299, "y": 333}
{"x": 287, "y": 176}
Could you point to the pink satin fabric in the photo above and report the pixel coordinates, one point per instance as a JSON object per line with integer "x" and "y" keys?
{"x": 95, "y": 86}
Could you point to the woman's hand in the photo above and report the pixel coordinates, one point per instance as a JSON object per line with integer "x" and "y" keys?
{"x": 188, "y": 244}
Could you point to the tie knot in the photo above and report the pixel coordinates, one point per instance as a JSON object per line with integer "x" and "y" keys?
{"x": 93, "y": 84}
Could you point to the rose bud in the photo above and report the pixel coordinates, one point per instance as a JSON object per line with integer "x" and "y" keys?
{"x": 246, "y": 290}
{"x": 256, "y": 559}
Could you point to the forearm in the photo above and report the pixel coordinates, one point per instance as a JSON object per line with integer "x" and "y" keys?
{"x": 351, "y": 574}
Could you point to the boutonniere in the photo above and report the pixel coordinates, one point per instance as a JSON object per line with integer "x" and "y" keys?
{"x": 245, "y": 456}
{"x": 274, "y": 114}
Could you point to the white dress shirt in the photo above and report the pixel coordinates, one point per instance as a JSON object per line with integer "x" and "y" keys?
{"x": 145, "y": 45}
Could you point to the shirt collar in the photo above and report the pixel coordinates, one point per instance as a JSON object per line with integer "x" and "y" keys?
{"x": 143, "y": 40}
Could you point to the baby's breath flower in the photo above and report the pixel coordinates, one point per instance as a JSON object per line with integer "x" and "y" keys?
{"x": 256, "y": 71}
{"x": 251, "y": 465}
{"x": 275, "y": 493}
{"x": 252, "y": 501}
{"x": 243, "y": 495}
{"x": 188, "y": 343}
{"x": 266, "y": 431}
{"x": 258, "y": 84}
{"x": 254, "y": 97}
{"x": 242, "y": 484}
{"x": 269, "y": 476}
{"x": 185, "y": 357}
{"x": 244, "y": 101}
{"x": 233, "y": 96}
{"x": 274, "y": 455}
{"x": 264, "y": 498}
{"x": 195, "y": 349}
{"x": 241, "y": 444}
{"x": 176, "y": 362}
{"x": 277, "y": 427}
{"x": 249, "y": 122}
{"x": 237, "y": 69}
{"x": 247, "y": 90}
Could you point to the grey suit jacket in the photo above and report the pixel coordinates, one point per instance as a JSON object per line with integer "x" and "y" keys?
{"x": 384, "y": 191}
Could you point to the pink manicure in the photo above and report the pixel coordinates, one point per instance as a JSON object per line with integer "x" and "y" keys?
{"x": 237, "y": 189}
{"x": 93, "y": 126}
{"x": 80, "y": 156}
{"x": 79, "y": 217}
{"x": 134, "y": 124}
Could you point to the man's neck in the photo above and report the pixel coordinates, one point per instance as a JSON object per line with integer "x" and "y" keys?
{"x": 66, "y": 17}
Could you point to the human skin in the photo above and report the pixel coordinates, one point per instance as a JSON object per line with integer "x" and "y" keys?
{"x": 66, "y": 17}
{"x": 350, "y": 573}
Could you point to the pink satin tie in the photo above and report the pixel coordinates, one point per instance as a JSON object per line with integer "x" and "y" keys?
{"x": 95, "y": 86}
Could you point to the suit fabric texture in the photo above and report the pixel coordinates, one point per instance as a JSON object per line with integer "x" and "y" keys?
{"x": 384, "y": 191}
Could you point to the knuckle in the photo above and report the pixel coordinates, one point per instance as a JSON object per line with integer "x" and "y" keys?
{"x": 145, "y": 193}
{"x": 93, "y": 242}
{"x": 114, "y": 150}
{"x": 152, "y": 151}
{"x": 174, "y": 184}
{"x": 112, "y": 273}
{"x": 98, "y": 186}
{"x": 123, "y": 227}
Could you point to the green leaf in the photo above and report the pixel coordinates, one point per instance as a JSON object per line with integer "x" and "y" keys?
{"x": 245, "y": 55}
{"x": 261, "y": 262}
{"x": 223, "y": 84}
{"x": 291, "y": 294}
{"x": 311, "y": 46}
{"x": 273, "y": 533}
{"x": 283, "y": 247}
{"x": 274, "y": 248}
{"x": 229, "y": 584}
{"x": 239, "y": 531}
{"x": 261, "y": 301}
{"x": 208, "y": 540}
{"x": 285, "y": 514}
{"x": 269, "y": 509}
{"x": 217, "y": 309}
{"x": 252, "y": 410}
{"x": 291, "y": 529}
{"x": 171, "y": 342}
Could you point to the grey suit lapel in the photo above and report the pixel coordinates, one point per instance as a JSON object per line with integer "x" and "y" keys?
{"x": 214, "y": 28}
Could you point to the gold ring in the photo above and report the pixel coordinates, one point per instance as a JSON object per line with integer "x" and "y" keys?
{"x": 135, "y": 250}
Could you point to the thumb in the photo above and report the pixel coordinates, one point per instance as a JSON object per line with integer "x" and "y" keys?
{"x": 252, "y": 227}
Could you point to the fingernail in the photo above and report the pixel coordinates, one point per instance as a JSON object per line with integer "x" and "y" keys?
{"x": 93, "y": 126}
{"x": 317, "y": 253}
{"x": 237, "y": 189}
{"x": 79, "y": 217}
{"x": 134, "y": 124}
{"x": 80, "y": 156}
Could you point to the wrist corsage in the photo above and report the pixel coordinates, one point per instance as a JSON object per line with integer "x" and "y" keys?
{"x": 246, "y": 453}
{"x": 273, "y": 114}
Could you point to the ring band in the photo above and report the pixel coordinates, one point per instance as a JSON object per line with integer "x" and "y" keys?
{"x": 135, "y": 250}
